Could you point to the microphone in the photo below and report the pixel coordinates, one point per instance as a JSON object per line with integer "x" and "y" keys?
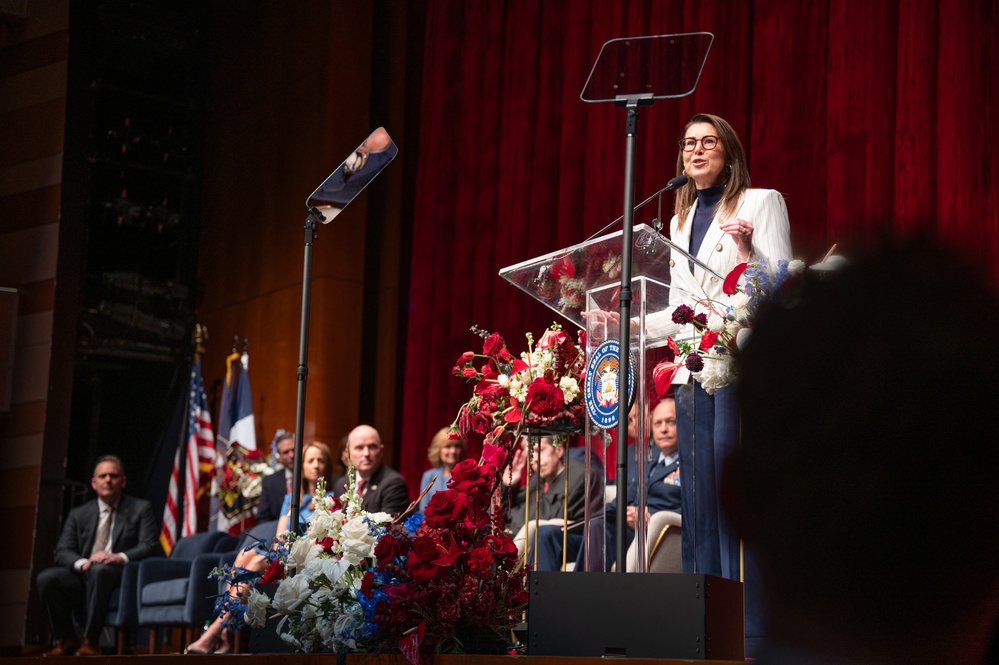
{"x": 675, "y": 183}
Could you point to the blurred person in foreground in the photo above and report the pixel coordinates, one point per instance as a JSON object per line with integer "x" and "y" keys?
{"x": 866, "y": 482}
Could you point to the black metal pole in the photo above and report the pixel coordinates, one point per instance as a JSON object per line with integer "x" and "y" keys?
{"x": 303, "y": 362}
{"x": 624, "y": 336}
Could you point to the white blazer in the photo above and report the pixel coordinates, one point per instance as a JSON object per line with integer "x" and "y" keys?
{"x": 771, "y": 242}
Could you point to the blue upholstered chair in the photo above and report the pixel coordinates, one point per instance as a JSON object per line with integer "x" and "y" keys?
{"x": 176, "y": 591}
{"x": 122, "y": 612}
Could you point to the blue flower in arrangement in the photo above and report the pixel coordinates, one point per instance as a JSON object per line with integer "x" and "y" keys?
{"x": 413, "y": 523}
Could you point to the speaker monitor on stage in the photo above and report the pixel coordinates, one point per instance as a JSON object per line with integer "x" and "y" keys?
{"x": 649, "y": 615}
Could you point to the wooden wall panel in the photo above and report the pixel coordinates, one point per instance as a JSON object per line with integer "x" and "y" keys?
{"x": 29, "y": 208}
{"x": 32, "y": 115}
{"x": 284, "y": 111}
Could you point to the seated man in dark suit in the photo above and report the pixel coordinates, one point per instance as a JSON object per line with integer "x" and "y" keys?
{"x": 277, "y": 485}
{"x": 662, "y": 492}
{"x": 98, "y": 539}
{"x": 382, "y": 488}
{"x": 556, "y": 503}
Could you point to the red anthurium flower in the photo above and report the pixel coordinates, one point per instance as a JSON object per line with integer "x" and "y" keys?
{"x": 519, "y": 365}
{"x": 663, "y": 376}
{"x": 732, "y": 279}
{"x": 563, "y": 267}
{"x": 512, "y": 416}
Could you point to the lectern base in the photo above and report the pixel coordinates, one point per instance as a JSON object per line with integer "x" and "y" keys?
{"x": 636, "y": 615}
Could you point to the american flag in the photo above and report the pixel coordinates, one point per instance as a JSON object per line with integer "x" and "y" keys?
{"x": 200, "y": 459}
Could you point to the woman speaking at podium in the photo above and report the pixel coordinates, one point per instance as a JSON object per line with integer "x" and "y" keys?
{"x": 721, "y": 221}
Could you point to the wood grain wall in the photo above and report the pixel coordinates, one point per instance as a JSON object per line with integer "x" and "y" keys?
{"x": 32, "y": 115}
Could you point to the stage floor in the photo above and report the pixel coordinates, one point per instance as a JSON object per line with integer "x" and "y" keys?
{"x": 361, "y": 659}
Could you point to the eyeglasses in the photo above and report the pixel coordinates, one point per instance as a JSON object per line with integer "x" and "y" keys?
{"x": 707, "y": 142}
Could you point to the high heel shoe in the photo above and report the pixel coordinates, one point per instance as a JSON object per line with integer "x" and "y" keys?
{"x": 218, "y": 646}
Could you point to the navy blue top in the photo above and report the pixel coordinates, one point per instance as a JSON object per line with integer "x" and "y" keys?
{"x": 707, "y": 201}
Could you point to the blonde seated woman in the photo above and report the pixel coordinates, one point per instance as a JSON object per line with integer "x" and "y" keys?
{"x": 317, "y": 462}
{"x": 444, "y": 454}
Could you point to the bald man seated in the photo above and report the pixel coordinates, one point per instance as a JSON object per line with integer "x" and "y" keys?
{"x": 382, "y": 488}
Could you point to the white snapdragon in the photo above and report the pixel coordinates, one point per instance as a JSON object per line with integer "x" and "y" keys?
{"x": 570, "y": 388}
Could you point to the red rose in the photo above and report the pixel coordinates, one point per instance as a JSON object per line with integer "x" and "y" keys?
{"x": 444, "y": 508}
{"x": 254, "y": 454}
{"x": 274, "y": 572}
{"x": 465, "y": 358}
{"x": 545, "y": 398}
{"x": 419, "y": 562}
{"x": 502, "y": 545}
{"x": 467, "y": 477}
{"x": 482, "y": 421}
{"x": 493, "y": 344}
{"x": 389, "y": 547}
{"x": 469, "y": 372}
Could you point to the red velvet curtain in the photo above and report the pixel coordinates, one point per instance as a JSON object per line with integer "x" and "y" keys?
{"x": 869, "y": 116}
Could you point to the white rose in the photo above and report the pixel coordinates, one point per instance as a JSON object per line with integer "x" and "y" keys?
{"x": 796, "y": 266}
{"x": 739, "y": 300}
{"x": 358, "y": 541}
{"x": 300, "y": 552}
{"x": 503, "y": 380}
{"x": 291, "y": 592}
{"x": 256, "y": 609}
{"x": 715, "y": 322}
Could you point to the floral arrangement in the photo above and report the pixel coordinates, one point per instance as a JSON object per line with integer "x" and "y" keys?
{"x": 722, "y": 329}
{"x": 540, "y": 389}
{"x": 358, "y": 581}
{"x": 242, "y": 475}
{"x": 564, "y": 281}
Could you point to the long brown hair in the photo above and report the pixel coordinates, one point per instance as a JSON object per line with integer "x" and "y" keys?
{"x": 738, "y": 173}
{"x": 327, "y": 457}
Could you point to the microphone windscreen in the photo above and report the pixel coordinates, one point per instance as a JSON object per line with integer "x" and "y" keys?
{"x": 676, "y": 183}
